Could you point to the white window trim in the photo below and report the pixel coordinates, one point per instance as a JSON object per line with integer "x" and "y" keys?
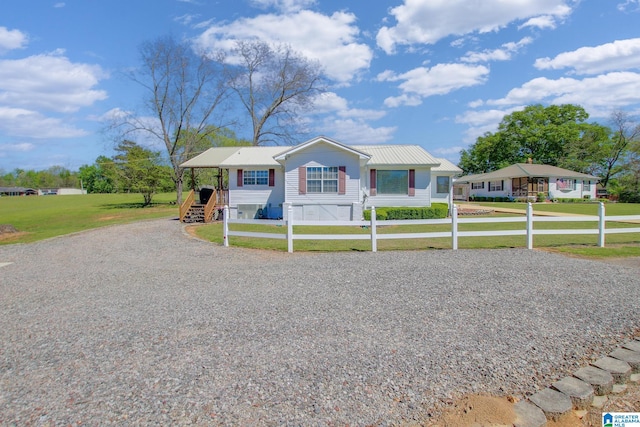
{"x": 324, "y": 180}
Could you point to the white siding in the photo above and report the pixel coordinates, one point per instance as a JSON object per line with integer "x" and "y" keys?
{"x": 421, "y": 198}
{"x": 484, "y": 192}
{"x": 270, "y": 197}
{"x": 578, "y": 193}
{"x": 323, "y": 206}
{"x": 440, "y": 197}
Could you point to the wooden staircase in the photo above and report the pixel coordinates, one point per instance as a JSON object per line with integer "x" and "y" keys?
{"x": 192, "y": 212}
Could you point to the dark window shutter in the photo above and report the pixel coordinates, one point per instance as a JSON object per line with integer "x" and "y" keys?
{"x": 240, "y": 177}
{"x": 272, "y": 177}
{"x": 302, "y": 180}
{"x": 342, "y": 180}
{"x": 502, "y": 185}
{"x": 372, "y": 182}
{"x": 412, "y": 182}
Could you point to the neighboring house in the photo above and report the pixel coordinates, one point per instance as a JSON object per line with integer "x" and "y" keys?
{"x": 526, "y": 180}
{"x": 17, "y": 191}
{"x": 61, "y": 191}
{"x": 323, "y": 179}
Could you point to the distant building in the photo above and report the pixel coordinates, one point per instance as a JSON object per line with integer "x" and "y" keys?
{"x": 528, "y": 181}
{"x": 17, "y": 191}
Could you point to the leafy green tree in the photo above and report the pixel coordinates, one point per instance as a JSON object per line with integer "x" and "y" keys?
{"x": 184, "y": 91}
{"x": 140, "y": 169}
{"x": 537, "y": 132}
{"x": 99, "y": 177}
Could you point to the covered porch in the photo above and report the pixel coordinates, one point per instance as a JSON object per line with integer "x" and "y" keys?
{"x": 526, "y": 186}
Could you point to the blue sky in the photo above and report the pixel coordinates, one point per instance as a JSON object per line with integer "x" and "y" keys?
{"x": 437, "y": 73}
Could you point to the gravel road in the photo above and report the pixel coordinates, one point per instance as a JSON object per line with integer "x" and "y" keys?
{"x": 140, "y": 324}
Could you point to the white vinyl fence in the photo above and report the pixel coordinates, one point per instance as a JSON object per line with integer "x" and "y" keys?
{"x": 453, "y": 233}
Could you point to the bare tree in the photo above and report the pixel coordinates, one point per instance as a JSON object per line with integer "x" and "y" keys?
{"x": 625, "y": 131}
{"x": 275, "y": 85}
{"x": 183, "y": 91}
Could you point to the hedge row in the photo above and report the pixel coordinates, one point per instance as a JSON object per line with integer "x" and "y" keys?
{"x": 435, "y": 211}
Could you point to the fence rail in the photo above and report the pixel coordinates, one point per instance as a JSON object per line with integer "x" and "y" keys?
{"x": 454, "y": 233}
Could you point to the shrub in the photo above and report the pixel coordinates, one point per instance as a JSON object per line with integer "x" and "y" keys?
{"x": 436, "y": 210}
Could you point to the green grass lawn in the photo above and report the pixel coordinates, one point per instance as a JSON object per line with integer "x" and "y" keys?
{"x": 41, "y": 217}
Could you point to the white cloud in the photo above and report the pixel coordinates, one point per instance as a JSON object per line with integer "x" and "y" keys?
{"x": 283, "y": 5}
{"x": 20, "y": 122}
{"x": 598, "y": 95}
{"x": 358, "y": 132}
{"x": 633, "y": 5}
{"x": 483, "y": 121}
{"x": 618, "y": 55}
{"x": 186, "y": 19}
{"x": 502, "y": 54}
{"x": 12, "y": 39}
{"x": 49, "y": 82}
{"x": 332, "y": 40}
{"x": 348, "y": 124}
{"x": 59, "y": 5}
{"x": 17, "y": 147}
{"x": 440, "y": 79}
{"x": 427, "y": 21}
{"x": 541, "y": 22}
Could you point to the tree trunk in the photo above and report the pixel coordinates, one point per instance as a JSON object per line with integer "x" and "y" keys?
{"x": 179, "y": 188}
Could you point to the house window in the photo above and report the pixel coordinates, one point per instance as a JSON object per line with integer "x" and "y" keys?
{"x": 495, "y": 185}
{"x": 392, "y": 182}
{"x": 260, "y": 177}
{"x": 586, "y": 185}
{"x": 477, "y": 185}
{"x": 566, "y": 184}
{"x": 322, "y": 179}
{"x": 442, "y": 184}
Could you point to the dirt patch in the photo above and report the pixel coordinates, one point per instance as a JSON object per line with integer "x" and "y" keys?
{"x": 9, "y": 233}
{"x": 476, "y": 410}
{"x": 109, "y": 217}
{"x": 492, "y": 411}
{"x": 7, "y": 229}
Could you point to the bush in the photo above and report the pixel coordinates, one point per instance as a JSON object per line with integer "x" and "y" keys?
{"x": 435, "y": 211}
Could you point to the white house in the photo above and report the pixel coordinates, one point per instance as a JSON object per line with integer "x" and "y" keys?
{"x": 323, "y": 179}
{"x": 526, "y": 180}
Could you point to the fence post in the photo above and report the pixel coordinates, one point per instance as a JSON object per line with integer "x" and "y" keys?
{"x": 529, "y": 226}
{"x": 454, "y": 228}
{"x": 374, "y": 232}
{"x": 225, "y": 226}
{"x": 290, "y": 229}
{"x": 601, "y": 225}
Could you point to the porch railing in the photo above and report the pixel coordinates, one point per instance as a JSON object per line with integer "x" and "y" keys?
{"x": 186, "y": 204}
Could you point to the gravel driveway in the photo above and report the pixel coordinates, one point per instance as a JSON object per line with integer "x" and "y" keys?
{"x": 140, "y": 324}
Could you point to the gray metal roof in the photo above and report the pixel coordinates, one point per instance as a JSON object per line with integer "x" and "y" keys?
{"x": 377, "y": 155}
{"x": 528, "y": 170}
{"x": 446, "y": 166}
{"x": 322, "y": 139}
{"x": 397, "y": 155}
{"x": 230, "y": 157}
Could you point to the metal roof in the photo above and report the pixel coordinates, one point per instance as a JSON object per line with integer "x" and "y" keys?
{"x": 397, "y": 155}
{"x": 528, "y": 170}
{"x": 377, "y": 155}
{"x": 229, "y": 157}
{"x": 446, "y": 166}
{"x": 323, "y": 139}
